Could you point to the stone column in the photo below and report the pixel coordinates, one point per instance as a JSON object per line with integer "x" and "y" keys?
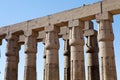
{"x": 30, "y": 57}
{"x": 44, "y": 57}
{"x": 106, "y": 37}
{"x": 92, "y": 52}
{"x": 77, "y": 51}
{"x": 66, "y": 60}
{"x": 52, "y": 59}
{"x": 12, "y": 54}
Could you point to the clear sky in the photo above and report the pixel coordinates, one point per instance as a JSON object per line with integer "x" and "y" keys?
{"x": 14, "y": 11}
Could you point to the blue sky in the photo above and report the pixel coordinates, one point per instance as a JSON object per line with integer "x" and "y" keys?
{"x": 14, "y": 11}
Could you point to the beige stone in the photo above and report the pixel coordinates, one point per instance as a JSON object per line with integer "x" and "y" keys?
{"x": 91, "y": 52}
{"x": 76, "y": 42}
{"x": 106, "y": 53}
{"x": 65, "y": 24}
{"x": 52, "y": 58}
{"x": 30, "y": 57}
{"x": 12, "y": 54}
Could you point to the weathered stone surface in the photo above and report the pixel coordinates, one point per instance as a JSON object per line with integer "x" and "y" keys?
{"x": 12, "y": 54}
{"x": 76, "y": 42}
{"x": 112, "y": 6}
{"x": 52, "y": 58}
{"x": 30, "y": 57}
{"x": 107, "y": 58}
{"x": 91, "y": 53}
{"x": 63, "y": 25}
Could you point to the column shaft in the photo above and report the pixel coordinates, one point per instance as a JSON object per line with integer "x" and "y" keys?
{"x": 12, "y": 54}
{"x": 92, "y": 58}
{"x": 30, "y": 58}
{"x": 66, "y": 60}
{"x": 52, "y": 59}
{"x": 77, "y": 53}
{"x": 107, "y": 60}
{"x": 91, "y": 52}
{"x": 44, "y": 72}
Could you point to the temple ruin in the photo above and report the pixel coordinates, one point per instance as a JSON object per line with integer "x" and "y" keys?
{"x": 72, "y": 25}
